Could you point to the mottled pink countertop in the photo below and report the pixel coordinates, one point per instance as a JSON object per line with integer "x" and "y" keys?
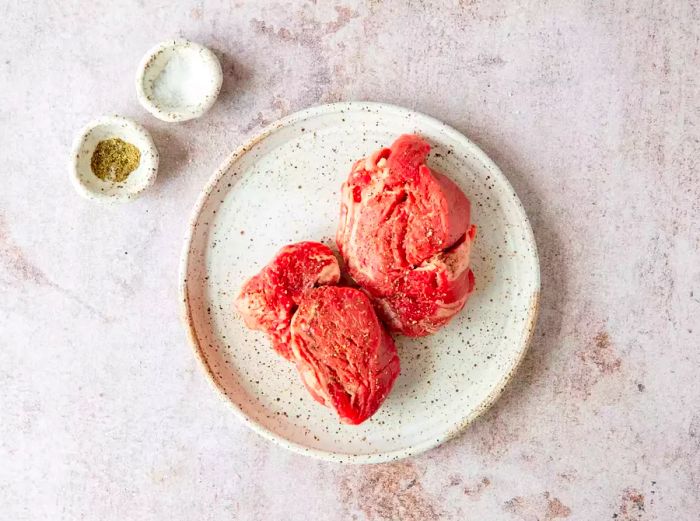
{"x": 593, "y": 114}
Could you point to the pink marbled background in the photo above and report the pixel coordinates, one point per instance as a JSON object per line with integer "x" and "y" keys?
{"x": 591, "y": 110}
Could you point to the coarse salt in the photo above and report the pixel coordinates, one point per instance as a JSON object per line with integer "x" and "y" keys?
{"x": 183, "y": 81}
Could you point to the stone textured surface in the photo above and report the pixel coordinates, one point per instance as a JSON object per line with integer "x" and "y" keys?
{"x": 591, "y": 110}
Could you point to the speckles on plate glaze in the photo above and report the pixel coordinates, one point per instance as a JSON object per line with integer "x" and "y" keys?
{"x": 632, "y": 506}
{"x": 387, "y": 493}
{"x": 282, "y": 188}
{"x": 538, "y": 507}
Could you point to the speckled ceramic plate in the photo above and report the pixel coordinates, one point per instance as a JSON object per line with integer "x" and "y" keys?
{"x": 283, "y": 186}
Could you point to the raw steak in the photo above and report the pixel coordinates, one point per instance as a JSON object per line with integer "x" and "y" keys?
{"x": 405, "y": 236}
{"x": 268, "y": 300}
{"x": 345, "y": 357}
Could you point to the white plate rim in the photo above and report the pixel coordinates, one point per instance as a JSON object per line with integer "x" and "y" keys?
{"x": 186, "y": 315}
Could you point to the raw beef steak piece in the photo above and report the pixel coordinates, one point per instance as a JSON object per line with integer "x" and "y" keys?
{"x": 345, "y": 357}
{"x": 405, "y": 235}
{"x": 269, "y": 299}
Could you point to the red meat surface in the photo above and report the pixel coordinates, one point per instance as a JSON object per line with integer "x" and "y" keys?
{"x": 405, "y": 236}
{"x": 269, "y": 299}
{"x": 344, "y": 355}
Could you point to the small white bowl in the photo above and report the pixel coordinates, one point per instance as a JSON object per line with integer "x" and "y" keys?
{"x": 92, "y": 187}
{"x": 178, "y": 80}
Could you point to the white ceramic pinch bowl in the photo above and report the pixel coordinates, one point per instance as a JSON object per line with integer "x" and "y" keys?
{"x": 92, "y": 187}
{"x": 178, "y": 80}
